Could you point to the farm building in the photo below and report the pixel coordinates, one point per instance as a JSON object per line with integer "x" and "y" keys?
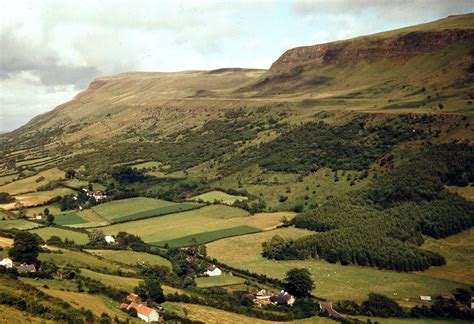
{"x": 133, "y": 297}
{"x": 283, "y": 298}
{"x": 145, "y": 313}
{"x": 25, "y": 268}
{"x": 425, "y": 298}
{"x": 212, "y": 271}
{"x": 6, "y": 262}
{"x": 109, "y": 239}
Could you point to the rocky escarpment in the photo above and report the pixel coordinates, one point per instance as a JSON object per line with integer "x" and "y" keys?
{"x": 370, "y": 49}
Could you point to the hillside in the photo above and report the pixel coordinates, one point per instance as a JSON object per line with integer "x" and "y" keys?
{"x": 352, "y": 159}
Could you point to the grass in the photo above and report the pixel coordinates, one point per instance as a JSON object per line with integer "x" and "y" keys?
{"x": 82, "y": 260}
{"x": 27, "y": 201}
{"x": 139, "y": 207}
{"x": 147, "y": 165}
{"x": 13, "y": 315}
{"x": 459, "y": 251}
{"x": 175, "y": 208}
{"x": 466, "y": 192}
{"x": 131, "y": 257}
{"x": 5, "y": 242}
{"x": 189, "y": 223}
{"x": 123, "y": 283}
{"x": 218, "y": 281}
{"x": 332, "y": 281}
{"x": 20, "y": 224}
{"x": 31, "y": 184}
{"x": 47, "y": 232}
{"x": 218, "y": 196}
{"x": 206, "y": 237}
{"x": 409, "y": 320}
{"x": 69, "y": 219}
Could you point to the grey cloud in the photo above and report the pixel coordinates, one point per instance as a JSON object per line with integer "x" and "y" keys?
{"x": 394, "y": 9}
{"x": 18, "y": 55}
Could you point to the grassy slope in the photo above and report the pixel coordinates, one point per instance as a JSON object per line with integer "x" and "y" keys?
{"x": 217, "y": 281}
{"x": 333, "y": 281}
{"x": 219, "y": 196}
{"x": 18, "y": 224}
{"x": 131, "y": 257}
{"x": 29, "y": 184}
{"x": 124, "y": 207}
{"x": 13, "y": 315}
{"x": 47, "y": 232}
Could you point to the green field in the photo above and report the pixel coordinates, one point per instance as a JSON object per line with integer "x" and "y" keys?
{"x": 139, "y": 207}
{"x": 131, "y": 257}
{"x": 333, "y": 281}
{"x": 185, "y": 224}
{"x": 82, "y": 260}
{"x": 69, "y": 219}
{"x": 20, "y": 224}
{"x": 120, "y": 282}
{"x": 47, "y": 232}
{"x": 206, "y": 237}
{"x": 218, "y": 196}
{"x": 218, "y": 281}
{"x": 147, "y": 165}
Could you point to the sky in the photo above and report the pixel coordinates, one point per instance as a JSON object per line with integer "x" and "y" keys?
{"x": 52, "y": 49}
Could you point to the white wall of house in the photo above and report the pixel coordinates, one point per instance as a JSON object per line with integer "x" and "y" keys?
{"x": 215, "y": 272}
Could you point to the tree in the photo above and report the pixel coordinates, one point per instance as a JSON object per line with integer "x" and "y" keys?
{"x": 46, "y": 211}
{"x": 96, "y": 237}
{"x": 6, "y": 198}
{"x": 49, "y": 219}
{"x": 47, "y": 269}
{"x": 150, "y": 289}
{"x": 299, "y": 282}
{"x": 26, "y": 247}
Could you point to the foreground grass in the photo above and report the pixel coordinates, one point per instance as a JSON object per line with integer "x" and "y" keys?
{"x": 332, "y": 281}
{"x": 13, "y": 315}
{"x": 131, "y": 257}
{"x": 47, "y": 232}
{"x": 212, "y": 315}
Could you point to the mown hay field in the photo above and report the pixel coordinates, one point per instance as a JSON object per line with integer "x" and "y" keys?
{"x": 218, "y": 281}
{"x": 333, "y": 281}
{"x": 31, "y": 184}
{"x": 202, "y": 222}
{"x": 46, "y": 232}
{"x": 218, "y": 196}
{"x": 131, "y": 257}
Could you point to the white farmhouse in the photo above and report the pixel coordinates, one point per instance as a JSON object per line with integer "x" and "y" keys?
{"x": 213, "y": 271}
{"x": 109, "y": 239}
{"x": 6, "y": 262}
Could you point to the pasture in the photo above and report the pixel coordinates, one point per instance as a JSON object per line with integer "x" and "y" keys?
{"x": 26, "y": 201}
{"x": 218, "y": 196}
{"x": 82, "y": 260}
{"x": 147, "y": 165}
{"x": 13, "y": 315}
{"x": 32, "y": 183}
{"x": 139, "y": 207}
{"x": 131, "y": 257}
{"x": 20, "y": 224}
{"x": 459, "y": 251}
{"x": 218, "y": 281}
{"x": 333, "y": 281}
{"x": 124, "y": 283}
{"x": 189, "y": 224}
{"x": 69, "y": 219}
{"x": 46, "y": 232}
{"x": 5, "y": 242}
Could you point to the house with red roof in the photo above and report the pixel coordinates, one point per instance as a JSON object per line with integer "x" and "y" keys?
{"x": 144, "y": 313}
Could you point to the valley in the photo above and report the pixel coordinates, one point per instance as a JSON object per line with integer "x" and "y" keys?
{"x": 353, "y": 160}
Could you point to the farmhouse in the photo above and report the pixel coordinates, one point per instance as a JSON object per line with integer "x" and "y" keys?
{"x": 425, "y": 298}
{"x": 109, "y": 239}
{"x": 283, "y": 298}
{"x": 26, "y": 268}
{"x": 212, "y": 271}
{"x": 6, "y": 262}
{"x": 145, "y": 313}
{"x": 133, "y": 297}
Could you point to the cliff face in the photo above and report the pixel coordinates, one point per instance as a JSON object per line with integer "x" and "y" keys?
{"x": 371, "y": 49}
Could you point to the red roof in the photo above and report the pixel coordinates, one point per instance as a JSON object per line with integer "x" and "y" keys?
{"x": 143, "y": 310}
{"x": 132, "y": 297}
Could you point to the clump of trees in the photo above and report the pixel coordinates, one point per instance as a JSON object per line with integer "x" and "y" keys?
{"x": 6, "y": 198}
